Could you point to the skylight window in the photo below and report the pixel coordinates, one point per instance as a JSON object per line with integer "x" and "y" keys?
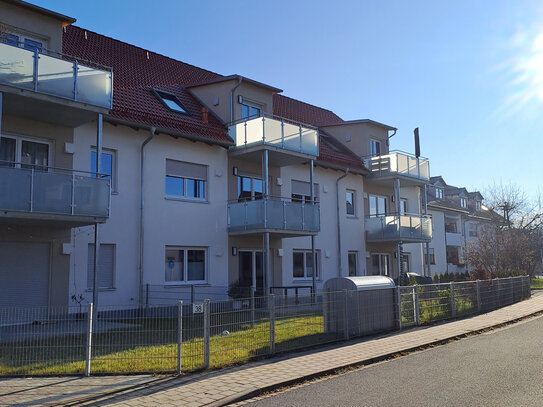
{"x": 171, "y": 102}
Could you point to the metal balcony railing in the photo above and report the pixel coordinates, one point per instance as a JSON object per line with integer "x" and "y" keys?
{"x": 276, "y": 132}
{"x": 54, "y": 74}
{"x": 407, "y": 227}
{"x": 273, "y": 213}
{"x": 49, "y": 190}
{"x": 398, "y": 163}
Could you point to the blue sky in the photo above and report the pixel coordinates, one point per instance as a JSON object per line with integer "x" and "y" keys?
{"x": 469, "y": 74}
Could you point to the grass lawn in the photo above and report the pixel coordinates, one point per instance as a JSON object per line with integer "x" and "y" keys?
{"x": 154, "y": 349}
{"x": 536, "y": 283}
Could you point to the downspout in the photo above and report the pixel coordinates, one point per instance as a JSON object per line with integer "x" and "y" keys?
{"x": 152, "y": 131}
{"x": 389, "y": 137}
{"x": 338, "y": 224}
{"x": 232, "y": 99}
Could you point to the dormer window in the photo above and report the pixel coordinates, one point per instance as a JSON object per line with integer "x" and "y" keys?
{"x": 463, "y": 202}
{"x": 439, "y": 193}
{"x": 249, "y": 112}
{"x": 478, "y": 205}
{"x": 171, "y": 102}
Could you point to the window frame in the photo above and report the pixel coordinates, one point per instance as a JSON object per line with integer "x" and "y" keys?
{"x": 164, "y": 95}
{"x": 302, "y": 198}
{"x": 451, "y": 221}
{"x": 353, "y": 193}
{"x": 448, "y": 250}
{"x": 439, "y": 192}
{"x": 250, "y": 105}
{"x": 352, "y": 254}
{"x": 184, "y": 197}
{"x": 380, "y": 257}
{"x": 463, "y": 202}
{"x": 18, "y": 148}
{"x": 21, "y": 41}
{"x": 306, "y": 277}
{"x": 377, "y": 199}
{"x": 113, "y": 286}
{"x": 253, "y": 196}
{"x": 185, "y": 280}
{"x": 375, "y": 148}
{"x": 432, "y": 256}
{"x": 113, "y": 175}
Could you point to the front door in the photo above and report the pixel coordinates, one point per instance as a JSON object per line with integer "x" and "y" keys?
{"x": 251, "y": 271}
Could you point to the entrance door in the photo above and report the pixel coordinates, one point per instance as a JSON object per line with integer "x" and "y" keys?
{"x": 251, "y": 270}
{"x": 380, "y": 264}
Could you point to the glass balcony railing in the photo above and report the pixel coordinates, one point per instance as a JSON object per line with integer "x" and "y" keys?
{"x": 53, "y": 191}
{"x": 276, "y": 132}
{"x": 55, "y": 75}
{"x": 273, "y": 213}
{"x": 392, "y": 228}
{"x": 398, "y": 163}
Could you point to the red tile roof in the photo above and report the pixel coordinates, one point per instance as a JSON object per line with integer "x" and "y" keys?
{"x": 135, "y": 72}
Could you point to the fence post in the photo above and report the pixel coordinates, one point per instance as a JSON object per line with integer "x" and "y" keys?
{"x": 345, "y": 315}
{"x": 206, "y": 334}
{"x": 416, "y": 312}
{"x": 252, "y": 303}
{"x": 399, "y": 304}
{"x": 479, "y": 305}
{"x": 147, "y": 295}
{"x": 192, "y": 294}
{"x": 453, "y": 305}
{"x": 271, "y": 309}
{"x": 88, "y": 353}
{"x": 179, "y": 335}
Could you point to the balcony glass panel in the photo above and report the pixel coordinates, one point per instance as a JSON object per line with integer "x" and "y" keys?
{"x": 93, "y": 86}
{"x": 91, "y": 196}
{"x": 254, "y": 214}
{"x": 55, "y": 76}
{"x": 274, "y": 212}
{"x": 398, "y": 163}
{"x": 293, "y": 215}
{"x": 16, "y": 66}
{"x": 52, "y": 192}
{"x": 395, "y": 228}
{"x": 15, "y": 189}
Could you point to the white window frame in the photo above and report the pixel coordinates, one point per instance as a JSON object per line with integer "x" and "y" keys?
{"x": 21, "y": 37}
{"x": 355, "y": 254}
{"x": 113, "y": 272}
{"x": 439, "y": 193}
{"x": 381, "y": 254}
{"x": 377, "y": 198}
{"x": 353, "y": 192}
{"x": 478, "y": 205}
{"x": 185, "y": 281}
{"x": 184, "y": 197}
{"x": 113, "y": 154}
{"x": 250, "y": 104}
{"x": 306, "y": 199}
{"x": 317, "y": 268}
{"x": 19, "y": 142}
{"x": 252, "y": 178}
{"x": 403, "y": 210}
{"x": 432, "y": 256}
{"x": 463, "y": 202}
{"x": 373, "y": 148}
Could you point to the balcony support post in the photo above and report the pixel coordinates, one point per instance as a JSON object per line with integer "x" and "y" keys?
{"x": 1, "y": 95}
{"x": 95, "y": 287}
{"x": 76, "y": 69}
{"x": 35, "y": 73}
{"x": 313, "y": 252}
{"x": 266, "y": 242}
{"x": 427, "y": 244}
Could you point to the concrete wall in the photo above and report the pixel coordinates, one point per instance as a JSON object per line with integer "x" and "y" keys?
{"x": 360, "y": 135}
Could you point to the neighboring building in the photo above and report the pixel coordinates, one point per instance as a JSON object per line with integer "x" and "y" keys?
{"x": 205, "y": 180}
{"x": 458, "y": 218}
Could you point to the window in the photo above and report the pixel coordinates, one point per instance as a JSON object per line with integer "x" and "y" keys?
{"x": 301, "y": 191}
{"x": 20, "y": 41}
{"x": 250, "y": 188}
{"x": 478, "y": 205}
{"x": 463, "y": 202}
{"x": 32, "y": 45}
{"x": 171, "y": 102}
{"x": 406, "y": 263}
{"x": 185, "y": 180}
{"x": 106, "y": 267}
{"x": 378, "y": 205}
{"x": 350, "y": 202}
{"x": 432, "y": 256}
{"x": 452, "y": 254}
{"x": 403, "y": 206}
{"x": 107, "y": 164}
{"x": 352, "y": 258}
{"x": 451, "y": 226}
{"x": 375, "y": 148}
{"x": 439, "y": 193}
{"x": 473, "y": 232}
{"x": 10, "y": 39}
{"x": 302, "y": 265}
{"x": 30, "y": 153}
{"x": 249, "y": 112}
{"x": 185, "y": 264}
{"x": 380, "y": 264}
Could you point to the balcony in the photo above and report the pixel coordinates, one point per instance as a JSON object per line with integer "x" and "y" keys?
{"x": 56, "y": 196}
{"x": 276, "y": 215}
{"x": 398, "y": 163}
{"x": 56, "y": 75}
{"x": 280, "y": 136}
{"x": 396, "y": 228}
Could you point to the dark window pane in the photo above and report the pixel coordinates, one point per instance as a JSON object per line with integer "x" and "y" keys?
{"x": 298, "y": 265}
{"x": 11, "y": 39}
{"x": 349, "y": 197}
{"x": 195, "y": 188}
{"x": 352, "y": 264}
{"x": 174, "y": 186}
{"x": 106, "y": 164}
{"x": 195, "y": 265}
{"x": 34, "y": 155}
{"x": 244, "y": 112}
{"x": 7, "y": 151}
{"x": 32, "y": 45}
{"x": 258, "y": 186}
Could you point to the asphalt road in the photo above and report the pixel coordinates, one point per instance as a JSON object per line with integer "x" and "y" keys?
{"x": 500, "y": 368}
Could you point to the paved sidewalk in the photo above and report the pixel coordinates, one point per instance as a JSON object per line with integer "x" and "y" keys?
{"x": 232, "y": 384}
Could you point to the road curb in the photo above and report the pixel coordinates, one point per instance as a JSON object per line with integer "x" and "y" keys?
{"x": 249, "y": 394}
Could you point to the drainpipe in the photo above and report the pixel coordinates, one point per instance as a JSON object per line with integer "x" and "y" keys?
{"x": 152, "y": 132}
{"x": 232, "y": 99}
{"x": 389, "y": 137}
{"x": 338, "y": 225}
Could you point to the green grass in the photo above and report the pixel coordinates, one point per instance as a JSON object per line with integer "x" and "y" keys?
{"x": 151, "y": 347}
{"x": 536, "y": 283}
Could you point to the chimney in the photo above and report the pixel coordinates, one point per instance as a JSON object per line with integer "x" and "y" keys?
{"x": 204, "y": 115}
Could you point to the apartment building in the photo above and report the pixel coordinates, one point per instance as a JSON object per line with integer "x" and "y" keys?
{"x": 459, "y": 217}
{"x": 173, "y": 176}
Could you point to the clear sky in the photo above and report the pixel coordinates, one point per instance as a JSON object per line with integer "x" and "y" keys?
{"x": 469, "y": 74}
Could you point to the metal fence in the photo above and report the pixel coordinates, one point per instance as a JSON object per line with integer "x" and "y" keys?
{"x": 184, "y": 337}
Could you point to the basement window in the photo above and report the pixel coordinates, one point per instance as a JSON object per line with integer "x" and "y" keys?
{"x": 171, "y": 101}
